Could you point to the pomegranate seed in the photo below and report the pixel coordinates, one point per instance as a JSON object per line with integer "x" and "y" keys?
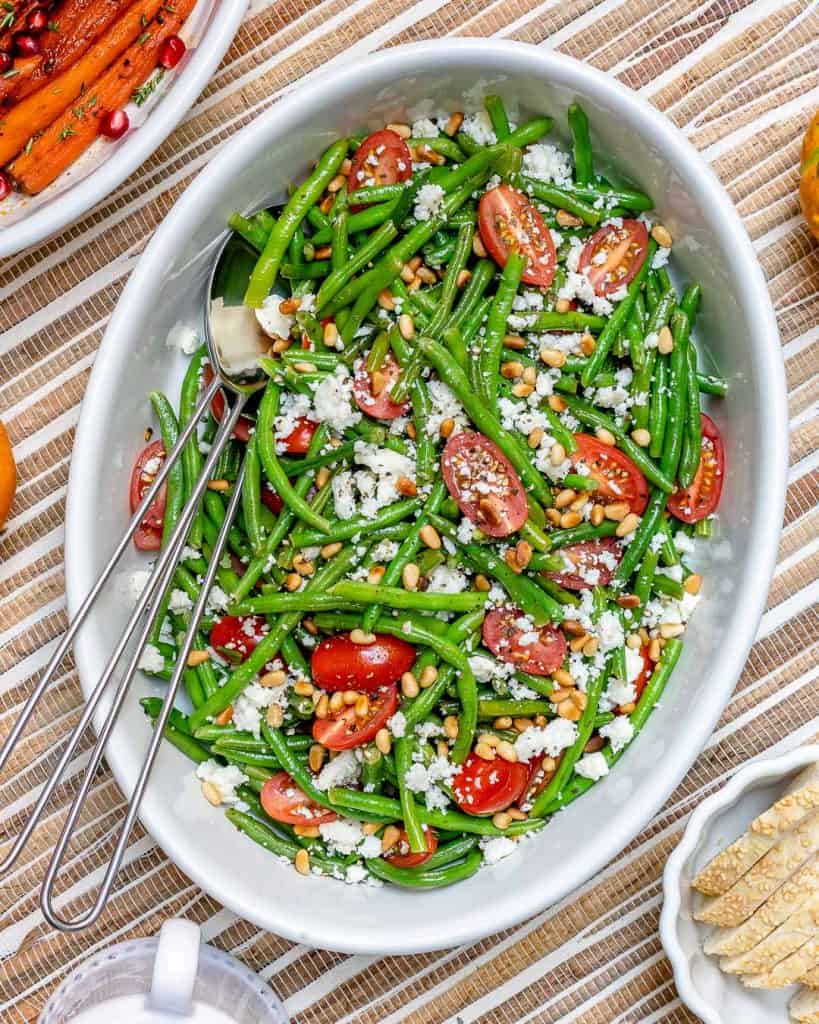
{"x": 5, "y": 185}
{"x": 114, "y": 124}
{"x": 37, "y": 21}
{"x": 171, "y": 52}
{"x": 6, "y": 61}
{"x": 26, "y": 45}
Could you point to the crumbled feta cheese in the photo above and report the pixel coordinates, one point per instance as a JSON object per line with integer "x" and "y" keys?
{"x": 342, "y": 835}
{"x": 332, "y": 401}
{"x": 429, "y": 202}
{"x": 355, "y": 874}
{"x": 618, "y": 732}
{"x": 292, "y": 407}
{"x": 547, "y": 163}
{"x": 398, "y": 725}
{"x": 497, "y": 848}
{"x": 592, "y": 766}
{"x": 218, "y": 600}
{"x": 248, "y": 706}
{"x": 443, "y": 580}
{"x": 272, "y": 321}
{"x": 224, "y": 778}
{"x": 179, "y": 602}
{"x": 184, "y": 338}
{"x": 617, "y": 693}
{"x": 478, "y": 126}
{"x": 424, "y": 128}
{"x": 423, "y": 778}
{"x": 151, "y": 659}
{"x": 137, "y": 582}
{"x": 445, "y": 406}
{"x": 550, "y": 739}
{"x": 343, "y": 770}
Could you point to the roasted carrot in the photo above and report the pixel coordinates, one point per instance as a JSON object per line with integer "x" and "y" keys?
{"x": 74, "y": 130}
{"x": 76, "y": 25}
{"x": 36, "y": 112}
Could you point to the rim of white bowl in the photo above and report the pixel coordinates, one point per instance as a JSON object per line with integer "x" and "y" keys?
{"x": 92, "y": 189}
{"x": 765, "y": 768}
{"x": 513, "y": 906}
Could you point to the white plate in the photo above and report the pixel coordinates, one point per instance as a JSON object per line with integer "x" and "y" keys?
{"x": 738, "y": 325}
{"x": 26, "y": 220}
{"x": 716, "y": 997}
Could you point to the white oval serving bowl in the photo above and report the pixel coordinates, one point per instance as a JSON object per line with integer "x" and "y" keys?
{"x": 716, "y": 997}
{"x": 167, "y": 286}
{"x": 27, "y": 220}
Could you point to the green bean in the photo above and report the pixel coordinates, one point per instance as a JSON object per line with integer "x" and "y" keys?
{"x": 336, "y": 281}
{"x": 515, "y": 708}
{"x": 580, "y": 483}
{"x": 645, "y": 576}
{"x": 562, "y": 199}
{"x": 658, "y": 407}
{"x": 272, "y": 468}
{"x": 175, "y": 481}
{"x": 530, "y": 131}
{"x": 447, "y": 853}
{"x": 617, "y": 320}
{"x": 174, "y": 733}
{"x": 496, "y": 327}
{"x": 560, "y": 431}
{"x": 472, "y": 294}
{"x": 433, "y": 878}
{"x": 251, "y": 497}
{"x": 397, "y": 597}
{"x": 711, "y": 385}
{"x": 676, "y": 385}
{"x": 463, "y": 248}
{"x": 642, "y": 537}
{"x": 497, "y": 115}
{"x": 592, "y": 417}
{"x": 583, "y": 160}
{"x": 344, "y": 529}
{"x": 191, "y": 456}
{"x": 409, "y": 621}
{"x": 252, "y": 232}
{"x": 416, "y": 837}
{"x": 439, "y": 144}
{"x": 666, "y": 585}
{"x": 370, "y": 194}
{"x": 543, "y": 323}
{"x": 266, "y": 270}
{"x": 554, "y": 590}
{"x": 635, "y": 201}
{"x": 484, "y": 420}
{"x": 691, "y": 451}
{"x": 583, "y": 532}
{"x": 313, "y": 271}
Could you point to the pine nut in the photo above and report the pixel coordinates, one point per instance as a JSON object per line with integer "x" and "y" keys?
{"x": 326, "y": 204}
{"x": 410, "y": 576}
{"x": 307, "y": 831}
{"x": 275, "y": 716}
{"x": 617, "y": 511}
{"x": 336, "y": 701}
{"x": 383, "y": 741}
{"x": 662, "y": 236}
{"x": 628, "y": 601}
{"x": 557, "y": 404}
{"x": 504, "y": 722}
{"x": 403, "y": 131}
{"x": 305, "y": 367}
{"x": 446, "y": 428}
{"x": 478, "y": 247}
{"x": 406, "y": 326}
{"x": 218, "y": 485}
{"x": 289, "y": 306}
{"x": 522, "y": 724}
{"x": 330, "y": 335}
{"x": 523, "y": 553}
{"x": 634, "y": 642}
{"x": 521, "y": 390}
{"x": 511, "y": 560}
{"x": 489, "y": 739}
{"x": 443, "y": 748}
{"x": 484, "y": 752}
{"x": 693, "y": 583}
{"x": 462, "y": 278}
{"x": 514, "y": 341}
{"x": 322, "y": 708}
{"x": 322, "y": 477}
{"x": 280, "y": 345}
{"x": 579, "y": 699}
{"x": 516, "y": 814}
{"x": 553, "y": 516}
{"x": 557, "y": 455}
{"x": 629, "y": 524}
{"x": 597, "y": 515}
{"x": 511, "y": 370}
{"x": 507, "y": 752}
{"x": 369, "y": 828}
{"x": 292, "y": 581}
{"x": 378, "y": 381}
{"x": 427, "y": 275}
{"x": 626, "y": 709}
{"x": 451, "y": 727}
{"x": 654, "y": 649}
{"x": 665, "y": 341}
{"x": 302, "y": 862}
{"x": 577, "y": 643}
{"x": 303, "y": 688}
{"x": 567, "y": 709}
{"x": 563, "y": 677}
{"x": 410, "y": 428}
{"x": 274, "y": 678}
{"x": 389, "y": 837}
{"x": 579, "y": 503}
{"x": 641, "y": 436}
{"x": 406, "y": 487}
{"x": 303, "y": 566}
{"x": 669, "y": 630}
{"x": 565, "y": 497}
{"x": 376, "y": 574}
{"x": 591, "y": 646}
{"x": 567, "y": 220}
{"x": 535, "y": 437}
{"x": 563, "y": 306}
{"x": 409, "y": 685}
{"x": 570, "y": 519}
{"x": 594, "y": 744}
{"x": 429, "y": 675}
{"x": 501, "y": 820}
{"x": 385, "y": 300}
{"x": 211, "y": 793}
{"x": 225, "y": 717}
{"x": 559, "y": 695}
{"x": 330, "y": 550}
{"x": 553, "y": 357}
{"x": 198, "y": 658}
{"x": 362, "y": 706}
{"x": 454, "y": 123}
{"x": 605, "y": 436}
{"x": 350, "y": 697}
{"x": 358, "y": 636}
{"x": 587, "y": 344}
{"x": 430, "y": 536}
{"x": 482, "y": 584}
{"x": 316, "y": 757}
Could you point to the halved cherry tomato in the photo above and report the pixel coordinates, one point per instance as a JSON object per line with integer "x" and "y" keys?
{"x": 244, "y": 426}
{"x": 537, "y": 651}
{"x": 701, "y": 497}
{"x": 339, "y": 664}
{"x": 344, "y": 729}
{"x": 271, "y": 500}
{"x": 236, "y": 637}
{"x": 298, "y": 440}
{"x": 618, "y": 477}
{"x": 509, "y": 222}
{"x": 600, "y": 556}
{"x": 383, "y": 158}
{"x": 412, "y": 860}
{"x": 484, "y": 484}
{"x": 612, "y": 256}
{"x": 283, "y": 801}
{"x": 380, "y": 406}
{"x": 148, "y": 536}
{"x": 486, "y": 787}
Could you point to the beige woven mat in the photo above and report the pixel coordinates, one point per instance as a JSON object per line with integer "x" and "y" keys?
{"x": 740, "y": 78}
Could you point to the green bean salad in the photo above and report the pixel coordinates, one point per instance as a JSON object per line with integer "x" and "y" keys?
{"x": 458, "y": 581}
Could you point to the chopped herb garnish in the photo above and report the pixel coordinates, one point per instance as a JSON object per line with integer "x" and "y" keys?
{"x": 143, "y": 21}
{"x": 91, "y": 103}
{"x": 28, "y": 145}
{"x": 66, "y": 133}
{"x": 11, "y": 73}
{"x": 140, "y": 95}
{"x": 7, "y": 5}
{"x": 78, "y": 112}
{"x": 53, "y": 26}
{"x": 7, "y": 21}
{"x": 143, "y": 39}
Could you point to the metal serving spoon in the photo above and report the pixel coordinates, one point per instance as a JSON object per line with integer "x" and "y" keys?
{"x": 240, "y": 384}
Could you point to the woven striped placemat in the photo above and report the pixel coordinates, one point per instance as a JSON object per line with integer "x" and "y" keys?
{"x": 740, "y": 78}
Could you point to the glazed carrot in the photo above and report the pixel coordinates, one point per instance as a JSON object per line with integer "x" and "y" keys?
{"x": 74, "y": 130}
{"x": 39, "y": 110}
{"x": 77, "y": 24}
